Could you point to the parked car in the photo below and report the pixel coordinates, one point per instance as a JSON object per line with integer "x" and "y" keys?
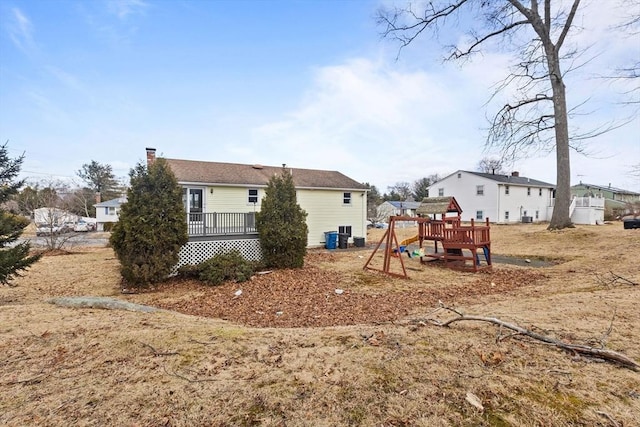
{"x": 84, "y": 226}
{"x": 48, "y": 230}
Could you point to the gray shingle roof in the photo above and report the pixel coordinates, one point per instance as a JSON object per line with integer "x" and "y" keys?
{"x": 111, "y": 203}
{"x": 609, "y": 188}
{"x": 212, "y": 173}
{"x": 514, "y": 180}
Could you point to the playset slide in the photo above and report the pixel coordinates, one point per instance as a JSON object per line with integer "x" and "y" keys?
{"x": 410, "y": 240}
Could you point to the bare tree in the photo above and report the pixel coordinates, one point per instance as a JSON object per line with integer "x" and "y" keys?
{"x": 632, "y": 28}
{"x": 491, "y": 165}
{"x": 538, "y": 117}
{"x": 49, "y": 202}
{"x": 400, "y": 191}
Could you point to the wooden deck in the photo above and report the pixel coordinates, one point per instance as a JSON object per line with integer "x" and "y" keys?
{"x": 221, "y": 225}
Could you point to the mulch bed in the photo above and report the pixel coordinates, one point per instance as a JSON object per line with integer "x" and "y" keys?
{"x": 312, "y": 297}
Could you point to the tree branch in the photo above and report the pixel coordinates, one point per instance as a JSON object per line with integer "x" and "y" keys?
{"x": 459, "y": 53}
{"x": 567, "y": 24}
{"x": 607, "y": 355}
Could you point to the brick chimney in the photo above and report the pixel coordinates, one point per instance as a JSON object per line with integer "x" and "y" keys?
{"x": 514, "y": 173}
{"x": 151, "y": 156}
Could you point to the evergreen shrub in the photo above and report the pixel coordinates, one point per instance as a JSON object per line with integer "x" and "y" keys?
{"x": 152, "y": 226}
{"x": 221, "y": 268}
{"x": 281, "y": 224}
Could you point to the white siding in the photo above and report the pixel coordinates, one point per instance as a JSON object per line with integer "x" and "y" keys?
{"x": 495, "y": 202}
{"x": 464, "y": 190}
{"x": 518, "y": 203}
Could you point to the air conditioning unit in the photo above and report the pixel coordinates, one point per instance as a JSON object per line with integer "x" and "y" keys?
{"x": 527, "y": 219}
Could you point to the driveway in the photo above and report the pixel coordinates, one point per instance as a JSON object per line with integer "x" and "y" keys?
{"x": 74, "y": 239}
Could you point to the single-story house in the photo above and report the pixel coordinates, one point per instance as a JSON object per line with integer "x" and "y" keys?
{"x": 221, "y": 199}
{"x": 398, "y": 208}
{"x": 108, "y": 212}
{"x": 501, "y": 198}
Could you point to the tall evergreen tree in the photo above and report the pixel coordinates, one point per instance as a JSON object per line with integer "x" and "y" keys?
{"x": 14, "y": 258}
{"x": 99, "y": 180}
{"x": 152, "y": 226}
{"x": 282, "y": 225}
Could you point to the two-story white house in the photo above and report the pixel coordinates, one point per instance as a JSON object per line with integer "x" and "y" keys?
{"x": 501, "y": 198}
{"x": 107, "y": 213}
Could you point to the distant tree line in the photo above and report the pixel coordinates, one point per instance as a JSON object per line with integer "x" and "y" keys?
{"x": 98, "y": 183}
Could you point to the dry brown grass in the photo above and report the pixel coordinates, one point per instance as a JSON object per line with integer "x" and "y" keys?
{"x": 64, "y": 366}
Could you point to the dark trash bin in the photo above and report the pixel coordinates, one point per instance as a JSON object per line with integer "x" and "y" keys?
{"x": 358, "y": 242}
{"x": 343, "y": 240}
{"x": 630, "y": 224}
{"x": 330, "y": 239}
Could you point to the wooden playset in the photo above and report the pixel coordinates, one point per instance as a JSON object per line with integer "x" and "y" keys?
{"x": 462, "y": 247}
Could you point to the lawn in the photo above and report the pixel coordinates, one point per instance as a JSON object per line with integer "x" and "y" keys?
{"x": 290, "y": 350}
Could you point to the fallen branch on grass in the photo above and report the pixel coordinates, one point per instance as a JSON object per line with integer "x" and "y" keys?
{"x": 600, "y": 353}
{"x": 158, "y": 353}
{"x": 615, "y": 278}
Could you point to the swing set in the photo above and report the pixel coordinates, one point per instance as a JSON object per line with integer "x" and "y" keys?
{"x": 463, "y": 247}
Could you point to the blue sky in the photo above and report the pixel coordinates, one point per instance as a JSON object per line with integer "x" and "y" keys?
{"x": 306, "y": 83}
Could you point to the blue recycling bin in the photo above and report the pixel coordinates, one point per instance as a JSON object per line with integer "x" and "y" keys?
{"x": 331, "y": 239}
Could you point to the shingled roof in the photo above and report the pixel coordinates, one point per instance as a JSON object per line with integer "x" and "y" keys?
{"x": 438, "y": 205}
{"x": 513, "y": 180}
{"x": 215, "y": 173}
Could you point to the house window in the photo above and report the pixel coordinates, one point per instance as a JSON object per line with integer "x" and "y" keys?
{"x": 459, "y": 175}
{"x": 346, "y": 198}
{"x": 479, "y": 190}
{"x": 479, "y": 215}
{"x": 440, "y": 192}
{"x": 253, "y": 195}
{"x": 524, "y": 213}
{"x": 539, "y": 191}
{"x": 537, "y": 214}
{"x": 506, "y": 215}
{"x": 193, "y": 201}
{"x": 506, "y": 189}
{"x": 344, "y": 229}
{"x": 528, "y": 191}
{"x": 111, "y": 210}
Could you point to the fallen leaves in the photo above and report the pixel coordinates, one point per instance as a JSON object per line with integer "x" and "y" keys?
{"x": 316, "y": 296}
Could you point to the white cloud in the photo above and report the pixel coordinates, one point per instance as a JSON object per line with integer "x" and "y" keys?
{"x": 377, "y": 124}
{"x": 20, "y": 31}
{"x": 124, "y": 8}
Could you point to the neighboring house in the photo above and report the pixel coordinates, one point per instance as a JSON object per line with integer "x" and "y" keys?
{"x": 108, "y": 212}
{"x": 221, "y": 199}
{"x": 616, "y": 200}
{"x": 501, "y": 198}
{"x": 398, "y": 208}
